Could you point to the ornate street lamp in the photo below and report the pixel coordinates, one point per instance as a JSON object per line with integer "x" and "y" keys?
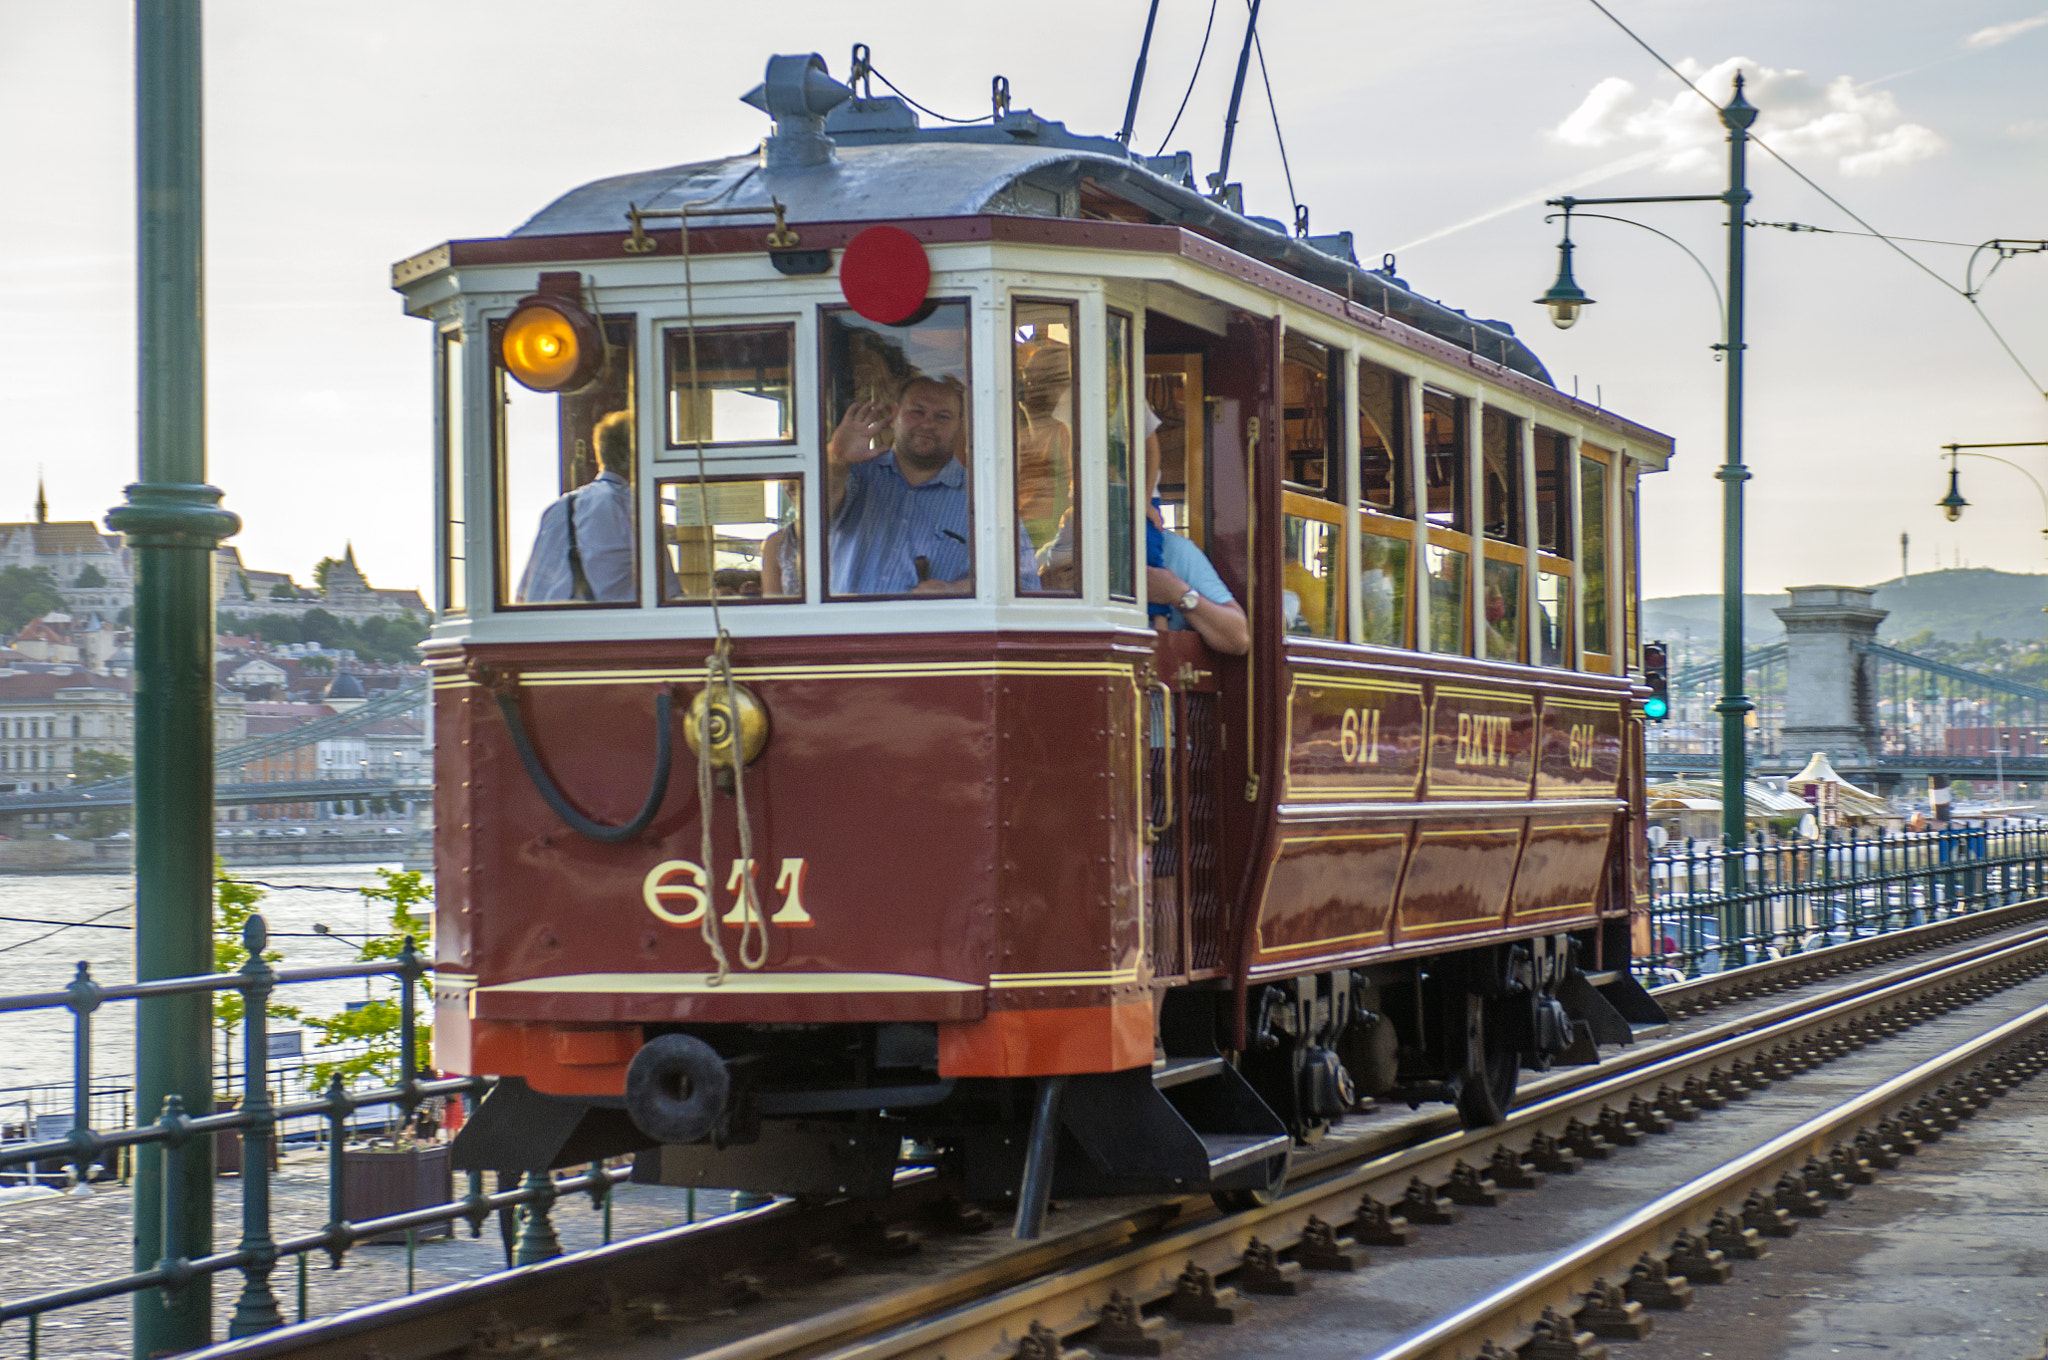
{"x": 1565, "y": 299}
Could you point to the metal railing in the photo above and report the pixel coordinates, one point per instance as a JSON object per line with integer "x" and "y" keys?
{"x": 257, "y": 1119}
{"x": 1794, "y": 896}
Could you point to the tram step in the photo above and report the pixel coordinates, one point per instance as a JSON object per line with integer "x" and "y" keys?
{"x": 1188, "y": 1124}
{"x": 1178, "y": 1071}
{"x": 1230, "y": 1152}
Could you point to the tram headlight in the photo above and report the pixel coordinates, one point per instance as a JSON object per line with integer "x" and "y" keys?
{"x": 551, "y": 345}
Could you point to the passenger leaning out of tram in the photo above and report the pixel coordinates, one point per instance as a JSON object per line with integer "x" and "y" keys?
{"x": 584, "y": 547}
{"x": 1180, "y": 581}
{"x": 900, "y": 513}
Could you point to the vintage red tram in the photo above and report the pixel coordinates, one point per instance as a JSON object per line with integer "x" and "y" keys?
{"x": 859, "y": 578}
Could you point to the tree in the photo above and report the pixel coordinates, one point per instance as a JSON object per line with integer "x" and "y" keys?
{"x": 322, "y": 627}
{"x": 90, "y": 578}
{"x": 234, "y": 902}
{"x": 376, "y": 1023}
{"x": 283, "y": 590}
{"x": 90, "y": 767}
{"x": 26, "y": 593}
{"x": 321, "y": 569}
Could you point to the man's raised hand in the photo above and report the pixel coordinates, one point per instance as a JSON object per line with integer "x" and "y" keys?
{"x": 854, "y": 440}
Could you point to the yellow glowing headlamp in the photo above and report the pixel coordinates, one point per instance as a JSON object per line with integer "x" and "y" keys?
{"x": 551, "y": 345}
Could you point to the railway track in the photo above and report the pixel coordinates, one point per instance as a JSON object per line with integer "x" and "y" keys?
{"x": 1117, "y": 1277}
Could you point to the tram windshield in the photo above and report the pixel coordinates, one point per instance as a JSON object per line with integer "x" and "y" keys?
{"x": 899, "y": 490}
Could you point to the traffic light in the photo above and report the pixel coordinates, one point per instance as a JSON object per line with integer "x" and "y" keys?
{"x": 1657, "y": 675}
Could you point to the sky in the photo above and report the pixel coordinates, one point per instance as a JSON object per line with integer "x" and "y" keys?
{"x": 343, "y": 137}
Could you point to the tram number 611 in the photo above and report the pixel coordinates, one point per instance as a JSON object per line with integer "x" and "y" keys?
{"x": 1358, "y": 736}
{"x": 684, "y": 882}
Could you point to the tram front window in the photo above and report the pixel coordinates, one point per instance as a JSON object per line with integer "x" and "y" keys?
{"x": 1042, "y": 358}
{"x": 739, "y": 540}
{"x": 566, "y": 517}
{"x": 899, "y": 485}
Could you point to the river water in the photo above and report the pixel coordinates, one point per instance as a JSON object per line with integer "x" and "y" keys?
{"x": 35, "y": 956}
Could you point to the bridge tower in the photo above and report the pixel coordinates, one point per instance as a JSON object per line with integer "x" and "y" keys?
{"x": 1830, "y": 687}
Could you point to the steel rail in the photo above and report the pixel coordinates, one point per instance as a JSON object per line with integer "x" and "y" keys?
{"x": 1506, "y": 1317}
{"x": 1794, "y": 970}
{"x": 1074, "y": 1300}
{"x": 1064, "y": 1281}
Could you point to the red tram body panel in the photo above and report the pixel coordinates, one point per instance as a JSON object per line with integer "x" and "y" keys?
{"x": 1011, "y": 842}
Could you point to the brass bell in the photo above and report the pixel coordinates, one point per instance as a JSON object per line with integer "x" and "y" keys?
{"x": 711, "y": 718}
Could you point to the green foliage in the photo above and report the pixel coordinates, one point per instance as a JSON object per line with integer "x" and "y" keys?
{"x": 234, "y": 902}
{"x": 322, "y": 570}
{"x": 90, "y": 767}
{"x": 283, "y": 590}
{"x": 373, "y": 639}
{"x": 377, "y": 1023}
{"x": 92, "y": 578}
{"x": 26, "y": 593}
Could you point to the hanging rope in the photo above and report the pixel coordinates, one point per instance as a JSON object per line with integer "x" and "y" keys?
{"x": 718, "y": 672}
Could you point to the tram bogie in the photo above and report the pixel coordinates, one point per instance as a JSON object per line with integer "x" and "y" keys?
{"x": 814, "y": 783}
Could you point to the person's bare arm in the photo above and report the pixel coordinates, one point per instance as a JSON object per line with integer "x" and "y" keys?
{"x": 1223, "y": 626}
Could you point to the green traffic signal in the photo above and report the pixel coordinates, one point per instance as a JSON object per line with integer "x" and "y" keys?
{"x": 1656, "y": 708}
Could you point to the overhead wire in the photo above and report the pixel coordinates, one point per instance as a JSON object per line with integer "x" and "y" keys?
{"x": 1207, "y": 29}
{"x": 1851, "y": 213}
{"x": 1294, "y": 199}
{"x": 69, "y": 925}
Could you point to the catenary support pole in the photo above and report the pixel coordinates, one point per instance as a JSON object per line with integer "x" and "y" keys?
{"x": 1735, "y": 705}
{"x": 173, "y": 522}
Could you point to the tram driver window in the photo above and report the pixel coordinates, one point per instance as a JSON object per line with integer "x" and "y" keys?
{"x": 567, "y": 518}
{"x": 899, "y": 489}
{"x": 740, "y": 392}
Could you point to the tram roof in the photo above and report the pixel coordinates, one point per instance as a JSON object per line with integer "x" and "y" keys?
{"x": 876, "y": 162}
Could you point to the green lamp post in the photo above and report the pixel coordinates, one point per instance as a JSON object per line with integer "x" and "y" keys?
{"x": 1566, "y": 300}
{"x": 173, "y": 521}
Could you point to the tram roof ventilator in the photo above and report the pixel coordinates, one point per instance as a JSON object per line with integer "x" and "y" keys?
{"x": 834, "y": 155}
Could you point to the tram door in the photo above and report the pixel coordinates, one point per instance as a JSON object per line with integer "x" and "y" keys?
{"x": 1185, "y": 916}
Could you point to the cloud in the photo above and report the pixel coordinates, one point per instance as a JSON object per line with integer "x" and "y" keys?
{"x": 1999, "y": 33}
{"x": 2033, "y": 127}
{"x": 1862, "y": 130}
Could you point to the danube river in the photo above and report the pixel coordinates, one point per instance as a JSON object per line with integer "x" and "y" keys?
{"x": 49, "y": 923}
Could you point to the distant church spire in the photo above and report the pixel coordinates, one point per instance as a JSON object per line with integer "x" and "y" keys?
{"x": 42, "y": 501}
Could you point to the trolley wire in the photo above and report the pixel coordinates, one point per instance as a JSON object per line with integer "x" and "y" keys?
{"x": 1907, "y": 255}
{"x": 1207, "y": 29}
{"x": 1294, "y": 199}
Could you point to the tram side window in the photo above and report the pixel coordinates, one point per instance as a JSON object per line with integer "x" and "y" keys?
{"x": 1500, "y": 460}
{"x": 737, "y": 539}
{"x": 1311, "y": 593}
{"x": 1383, "y": 587}
{"x": 1553, "y": 493}
{"x": 567, "y": 511}
{"x": 1383, "y": 440}
{"x": 1593, "y": 548}
{"x": 1443, "y": 447}
{"x": 1313, "y": 454}
{"x": 899, "y": 494}
{"x": 1122, "y": 433}
{"x": 1553, "y": 619}
{"x": 734, "y": 389}
{"x": 1042, "y": 372}
{"x": 454, "y": 529}
{"x": 1503, "y": 610}
{"x": 1449, "y": 619}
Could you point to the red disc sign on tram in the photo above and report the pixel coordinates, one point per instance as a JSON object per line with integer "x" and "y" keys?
{"x": 885, "y": 274}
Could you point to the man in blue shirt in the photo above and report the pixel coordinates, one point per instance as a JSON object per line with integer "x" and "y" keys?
{"x": 901, "y": 516}
{"x": 583, "y": 549}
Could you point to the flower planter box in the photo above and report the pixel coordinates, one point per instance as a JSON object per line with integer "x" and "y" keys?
{"x": 391, "y": 1180}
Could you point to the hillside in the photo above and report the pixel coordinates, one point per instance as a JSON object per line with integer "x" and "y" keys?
{"x": 1957, "y": 606}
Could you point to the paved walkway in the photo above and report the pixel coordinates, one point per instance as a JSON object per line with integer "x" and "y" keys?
{"x": 54, "y": 1242}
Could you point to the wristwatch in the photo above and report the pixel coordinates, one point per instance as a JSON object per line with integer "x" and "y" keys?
{"x": 1190, "y": 600}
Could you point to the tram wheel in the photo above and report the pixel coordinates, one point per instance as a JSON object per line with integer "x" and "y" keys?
{"x": 1486, "y": 1088}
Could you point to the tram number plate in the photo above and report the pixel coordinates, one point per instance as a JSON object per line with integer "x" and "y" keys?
{"x": 676, "y": 891}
